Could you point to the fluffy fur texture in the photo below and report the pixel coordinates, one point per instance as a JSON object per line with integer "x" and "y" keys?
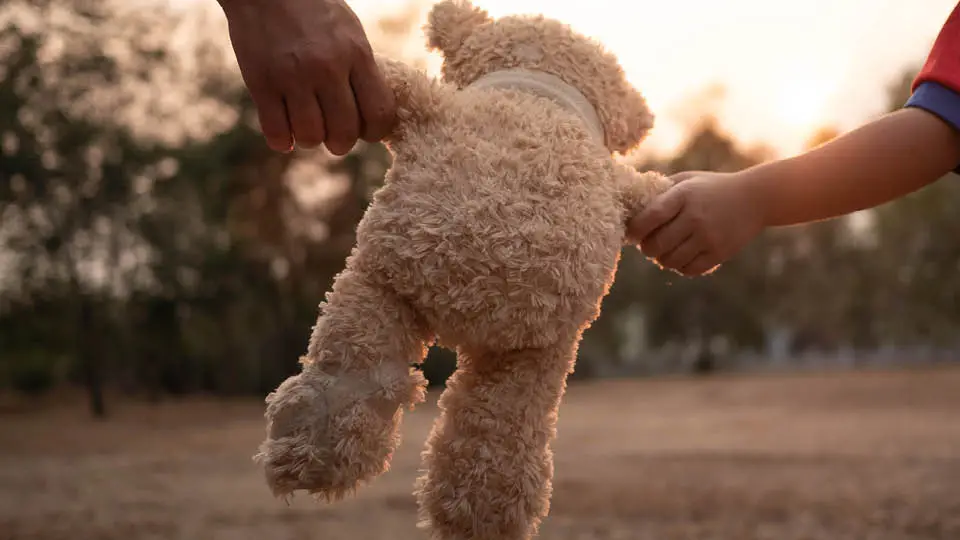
{"x": 497, "y": 233}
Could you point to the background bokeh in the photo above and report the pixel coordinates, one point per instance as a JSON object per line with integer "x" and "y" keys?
{"x": 160, "y": 270}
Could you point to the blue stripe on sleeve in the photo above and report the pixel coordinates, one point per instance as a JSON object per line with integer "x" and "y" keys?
{"x": 939, "y": 100}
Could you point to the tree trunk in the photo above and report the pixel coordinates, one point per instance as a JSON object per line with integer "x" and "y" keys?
{"x": 88, "y": 356}
{"x": 705, "y": 363}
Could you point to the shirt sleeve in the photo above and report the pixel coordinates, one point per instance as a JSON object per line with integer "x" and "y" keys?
{"x": 943, "y": 62}
{"x": 936, "y": 89}
{"x": 939, "y": 100}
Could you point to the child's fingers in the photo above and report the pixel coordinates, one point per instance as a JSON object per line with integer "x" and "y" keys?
{"x": 677, "y": 259}
{"x": 704, "y": 263}
{"x": 685, "y": 175}
{"x": 658, "y": 213}
{"x": 668, "y": 238}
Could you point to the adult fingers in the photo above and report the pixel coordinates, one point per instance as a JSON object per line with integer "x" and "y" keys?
{"x": 375, "y": 101}
{"x": 667, "y": 238}
{"x": 272, "y": 112}
{"x": 342, "y": 122}
{"x": 306, "y": 119}
{"x": 663, "y": 209}
{"x": 682, "y": 256}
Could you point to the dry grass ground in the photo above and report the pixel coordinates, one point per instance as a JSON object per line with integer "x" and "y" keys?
{"x": 870, "y": 456}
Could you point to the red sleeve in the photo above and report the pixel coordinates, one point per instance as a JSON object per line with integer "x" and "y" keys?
{"x": 943, "y": 63}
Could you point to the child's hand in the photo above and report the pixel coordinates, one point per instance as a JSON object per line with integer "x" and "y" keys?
{"x": 700, "y": 223}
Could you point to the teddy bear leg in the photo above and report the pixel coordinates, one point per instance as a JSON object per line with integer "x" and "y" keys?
{"x": 488, "y": 463}
{"x": 335, "y": 424}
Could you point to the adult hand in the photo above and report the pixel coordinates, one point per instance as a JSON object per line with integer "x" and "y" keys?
{"x": 700, "y": 222}
{"x": 311, "y": 72}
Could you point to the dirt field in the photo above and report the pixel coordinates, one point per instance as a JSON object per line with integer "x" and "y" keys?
{"x": 855, "y": 457}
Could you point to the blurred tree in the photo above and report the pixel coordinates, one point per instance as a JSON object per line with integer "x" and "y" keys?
{"x": 918, "y": 250}
{"x": 71, "y": 167}
{"x": 201, "y": 254}
{"x": 151, "y": 243}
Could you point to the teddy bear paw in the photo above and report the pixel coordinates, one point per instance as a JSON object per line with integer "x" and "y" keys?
{"x": 324, "y": 439}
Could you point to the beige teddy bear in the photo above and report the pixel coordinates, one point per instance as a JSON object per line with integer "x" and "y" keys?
{"x": 497, "y": 233}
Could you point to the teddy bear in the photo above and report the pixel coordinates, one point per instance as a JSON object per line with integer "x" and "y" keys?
{"x": 497, "y": 233}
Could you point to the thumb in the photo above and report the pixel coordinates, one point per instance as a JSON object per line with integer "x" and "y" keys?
{"x": 663, "y": 209}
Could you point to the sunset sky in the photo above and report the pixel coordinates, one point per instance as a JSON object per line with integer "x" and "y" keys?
{"x": 787, "y": 67}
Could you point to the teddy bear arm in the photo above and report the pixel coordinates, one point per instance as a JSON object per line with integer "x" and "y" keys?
{"x": 636, "y": 190}
{"x": 419, "y": 97}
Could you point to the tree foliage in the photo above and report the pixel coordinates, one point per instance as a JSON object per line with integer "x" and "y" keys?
{"x": 152, "y": 244}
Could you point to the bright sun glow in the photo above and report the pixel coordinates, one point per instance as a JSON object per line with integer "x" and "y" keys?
{"x": 801, "y": 104}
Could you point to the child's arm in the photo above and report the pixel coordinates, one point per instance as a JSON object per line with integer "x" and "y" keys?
{"x": 709, "y": 217}
{"x": 883, "y": 160}
{"x": 877, "y": 163}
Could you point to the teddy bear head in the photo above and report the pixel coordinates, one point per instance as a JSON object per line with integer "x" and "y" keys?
{"x": 474, "y": 45}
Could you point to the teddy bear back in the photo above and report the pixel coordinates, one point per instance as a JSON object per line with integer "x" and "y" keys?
{"x": 475, "y": 46}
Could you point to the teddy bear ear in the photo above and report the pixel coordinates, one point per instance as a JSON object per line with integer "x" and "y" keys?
{"x": 450, "y": 22}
